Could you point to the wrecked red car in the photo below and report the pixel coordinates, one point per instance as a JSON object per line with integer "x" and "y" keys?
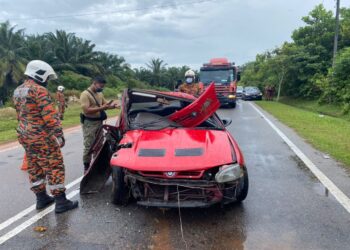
{"x": 168, "y": 149}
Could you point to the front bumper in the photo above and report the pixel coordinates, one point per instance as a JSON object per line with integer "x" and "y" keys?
{"x": 252, "y": 97}
{"x": 173, "y": 193}
{"x": 226, "y": 100}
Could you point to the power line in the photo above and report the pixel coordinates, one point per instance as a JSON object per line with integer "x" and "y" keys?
{"x": 112, "y": 12}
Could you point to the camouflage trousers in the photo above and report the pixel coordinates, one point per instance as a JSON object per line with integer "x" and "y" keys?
{"x": 45, "y": 163}
{"x": 89, "y": 133}
{"x": 61, "y": 109}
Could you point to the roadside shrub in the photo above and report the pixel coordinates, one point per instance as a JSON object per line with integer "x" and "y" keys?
{"x": 337, "y": 88}
{"x": 111, "y": 92}
{"x": 72, "y": 92}
{"x": 71, "y": 80}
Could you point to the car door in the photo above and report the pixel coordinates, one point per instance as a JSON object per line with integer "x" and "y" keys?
{"x": 101, "y": 151}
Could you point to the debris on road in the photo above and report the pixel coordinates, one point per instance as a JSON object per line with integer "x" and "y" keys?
{"x": 40, "y": 229}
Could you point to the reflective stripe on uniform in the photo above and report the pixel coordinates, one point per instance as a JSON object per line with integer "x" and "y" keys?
{"x": 38, "y": 183}
{"x": 57, "y": 186}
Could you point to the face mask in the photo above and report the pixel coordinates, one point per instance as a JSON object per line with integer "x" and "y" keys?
{"x": 99, "y": 90}
{"x": 189, "y": 80}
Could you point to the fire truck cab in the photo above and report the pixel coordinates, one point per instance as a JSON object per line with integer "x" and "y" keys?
{"x": 224, "y": 75}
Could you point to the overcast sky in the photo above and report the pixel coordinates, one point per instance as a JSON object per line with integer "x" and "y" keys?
{"x": 181, "y": 32}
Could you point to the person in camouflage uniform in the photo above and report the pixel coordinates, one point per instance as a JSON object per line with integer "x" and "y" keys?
{"x": 40, "y": 133}
{"x": 190, "y": 87}
{"x": 61, "y": 102}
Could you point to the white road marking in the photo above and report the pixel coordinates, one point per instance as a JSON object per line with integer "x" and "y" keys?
{"x": 335, "y": 191}
{"x": 28, "y": 210}
{"x": 8, "y": 149}
{"x": 32, "y": 220}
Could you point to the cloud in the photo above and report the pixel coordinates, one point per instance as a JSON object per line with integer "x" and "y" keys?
{"x": 178, "y": 31}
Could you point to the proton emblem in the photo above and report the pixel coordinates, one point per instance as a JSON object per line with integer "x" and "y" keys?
{"x": 170, "y": 174}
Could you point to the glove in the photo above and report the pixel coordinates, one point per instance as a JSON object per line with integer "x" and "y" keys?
{"x": 61, "y": 141}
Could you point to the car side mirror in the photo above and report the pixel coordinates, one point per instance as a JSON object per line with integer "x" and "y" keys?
{"x": 226, "y": 121}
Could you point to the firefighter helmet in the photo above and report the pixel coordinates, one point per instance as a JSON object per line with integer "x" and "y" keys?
{"x": 40, "y": 71}
{"x": 190, "y": 73}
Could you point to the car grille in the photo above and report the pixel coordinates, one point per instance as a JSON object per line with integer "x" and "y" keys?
{"x": 220, "y": 89}
{"x": 177, "y": 175}
{"x": 174, "y": 193}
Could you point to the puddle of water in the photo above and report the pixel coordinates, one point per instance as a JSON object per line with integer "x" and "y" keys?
{"x": 322, "y": 190}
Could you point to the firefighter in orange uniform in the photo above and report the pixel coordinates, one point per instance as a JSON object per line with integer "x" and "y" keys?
{"x": 61, "y": 102}
{"x": 190, "y": 87}
{"x": 40, "y": 133}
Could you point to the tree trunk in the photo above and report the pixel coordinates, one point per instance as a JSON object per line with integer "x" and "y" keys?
{"x": 279, "y": 87}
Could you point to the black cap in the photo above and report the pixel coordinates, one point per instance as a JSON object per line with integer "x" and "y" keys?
{"x": 99, "y": 79}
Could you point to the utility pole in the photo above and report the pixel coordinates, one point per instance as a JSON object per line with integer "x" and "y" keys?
{"x": 335, "y": 48}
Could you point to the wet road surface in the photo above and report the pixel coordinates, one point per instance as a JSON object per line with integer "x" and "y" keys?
{"x": 286, "y": 207}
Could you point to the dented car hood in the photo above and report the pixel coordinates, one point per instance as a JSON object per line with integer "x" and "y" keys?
{"x": 178, "y": 149}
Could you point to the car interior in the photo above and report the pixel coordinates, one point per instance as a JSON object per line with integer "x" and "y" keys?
{"x": 151, "y": 111}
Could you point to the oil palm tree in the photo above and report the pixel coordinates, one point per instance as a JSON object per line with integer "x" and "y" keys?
{"x": 157, "y": 66}
{"x": 12, "y": 62}
{"x": 72, "y": 53}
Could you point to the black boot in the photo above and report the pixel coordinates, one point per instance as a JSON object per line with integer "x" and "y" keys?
{"x": 86, "y": 166}
{"x": 63, "y": 205}
{"x": 43, "y": 200}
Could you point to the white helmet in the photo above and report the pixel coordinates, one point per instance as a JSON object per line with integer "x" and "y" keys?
{"x": 190, "y": 73}
{"x": 40, "y": 71}
{"x": 60, "y": 88}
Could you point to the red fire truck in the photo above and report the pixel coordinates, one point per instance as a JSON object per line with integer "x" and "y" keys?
{"x": 225, "y": 76}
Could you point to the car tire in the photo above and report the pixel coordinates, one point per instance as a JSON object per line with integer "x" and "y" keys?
{"x": 119, "y": 188}
{"x": 244, "y": 186}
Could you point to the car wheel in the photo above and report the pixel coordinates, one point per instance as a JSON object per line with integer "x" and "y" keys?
{"x": 244, "y": 186}
{"x": 119, "y": 188}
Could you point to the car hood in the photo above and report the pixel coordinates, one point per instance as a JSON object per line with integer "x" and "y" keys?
{"x": 174, "y": 150}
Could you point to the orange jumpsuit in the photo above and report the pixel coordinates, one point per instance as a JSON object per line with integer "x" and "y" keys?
{"x": 192, "y": 88}
{"x": 38, "y": 128}
{"x": 61, "y": 103}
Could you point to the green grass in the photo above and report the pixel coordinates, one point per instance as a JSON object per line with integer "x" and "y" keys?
{"x": 328, "y": 134}
{"x": 314, "y": 106}
{"x": 8, "y": 121}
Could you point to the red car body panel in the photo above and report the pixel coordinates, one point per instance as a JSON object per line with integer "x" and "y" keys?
{"x": 180, "y": 95}
{"x": 172, "y": 165}
{"x": 213, "y": 149}
{"x": 199, "y": 110}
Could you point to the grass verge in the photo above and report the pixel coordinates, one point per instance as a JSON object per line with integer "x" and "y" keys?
{"x": 328, "y": 134}
{"x": 314, "y": 106}
{"x": 8, "y": 121}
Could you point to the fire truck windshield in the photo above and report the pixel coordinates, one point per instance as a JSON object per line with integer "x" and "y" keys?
{"x": 221, "y": 76}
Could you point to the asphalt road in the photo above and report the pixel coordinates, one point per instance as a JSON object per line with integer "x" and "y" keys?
{"x": 286, "y": 208}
